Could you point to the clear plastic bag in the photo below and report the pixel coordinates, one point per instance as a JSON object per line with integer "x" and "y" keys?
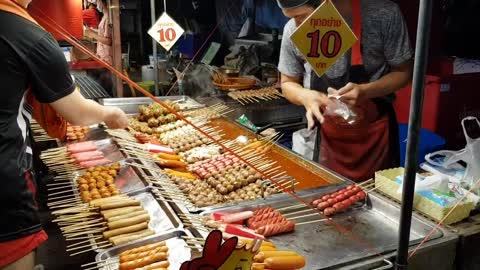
{"x": 470, "y": 155}
{"x": 338, "y": 109}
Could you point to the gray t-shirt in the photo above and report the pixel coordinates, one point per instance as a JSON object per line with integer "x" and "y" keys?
{"x": 385, "y": 43}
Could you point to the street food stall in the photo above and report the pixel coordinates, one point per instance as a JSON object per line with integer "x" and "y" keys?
{"x": 150, "y": 196}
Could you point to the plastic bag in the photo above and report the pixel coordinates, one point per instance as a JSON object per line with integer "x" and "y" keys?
{"x": 470, "y": 155}
{"x": 303, "y": 142}
{"x": 340, "y": 110}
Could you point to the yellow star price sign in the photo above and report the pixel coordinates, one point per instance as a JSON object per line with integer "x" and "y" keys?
{"x": 323, "y": 37}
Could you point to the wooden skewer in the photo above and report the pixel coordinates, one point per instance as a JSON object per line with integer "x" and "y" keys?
{"x": 81, "y": 238}
{"x": 80, "y": 227}
{"x": 100, "y": 262}
{"x": 84, "y": 232}
{"x": 313, "y": 221}
{"x": 291, "y": 207}
{"x": 61, "y": 187}
{"x": 368, "y": 182}
{"x": 60, "y": 192}
{"x": 85, "y": 246}
{"x": 68, "y": 184}
{"x": 61, "y": 197}
{"x": 80, "y": 252}
{"x": 84, "y": 241}
{"x": 298, "y": 212}
{"x": 309, "y": 215}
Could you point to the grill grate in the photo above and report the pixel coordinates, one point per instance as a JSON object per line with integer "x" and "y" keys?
{"x": 90, "y": 89}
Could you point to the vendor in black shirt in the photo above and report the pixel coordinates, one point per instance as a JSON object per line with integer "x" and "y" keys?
{"x": 31, "y": 59}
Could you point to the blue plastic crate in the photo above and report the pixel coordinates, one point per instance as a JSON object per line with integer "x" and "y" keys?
{"x": 429, "y": 142}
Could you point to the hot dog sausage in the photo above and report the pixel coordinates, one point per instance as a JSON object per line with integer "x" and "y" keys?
{"x": 157, "y": 266}
{"x": 285, "y": 262}
{"x": 263, "y": 255}
{"x": 267, "y": 248}
{"x": 278, "y": 228}
{"x": 129, "y": 215}
{"x": 143, "y": 261}
{"x": 262, "y": 211}
{"x": 128, "y": 221}
{"x": 98, "y": 202}
{"x": 316, "y": 202}
{"x": 121, "y": 239}
{"x": 258, "y": 224}
{"x": 329, "y": 211}
{"x": 121, "y": 211}
{"x": 249, "y": 242}
{"x": 265, "y": 216}
{"x": 171, "y": 163}
{"x": 119, "y": 204}
{"x": 91, "y": 163}
{"x": 143, "y": 248}
{"x": 128, "y": 229}
{"x": 132, "y": 257}
{"x": 232, "y": 218}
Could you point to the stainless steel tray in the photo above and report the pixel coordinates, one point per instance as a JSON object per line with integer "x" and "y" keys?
{"x": 127, "y": 179}
{"x": 162, "y": 217}
{"x": 107, "y": 146}
{"x": 374, "y": 226}
{"x": 178, "y": 252}
{"x": 130, "y": 105}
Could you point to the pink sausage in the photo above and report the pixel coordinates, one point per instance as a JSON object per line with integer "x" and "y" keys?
{"x": 232, "y": 218}
{"x": 79, "y": 149}
{"x": 89, "y": 158}
{"x": 92, "y": 163}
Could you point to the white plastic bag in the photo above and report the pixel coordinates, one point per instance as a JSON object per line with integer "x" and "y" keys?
{"x": 303, "y": 142}
{"x": 470, "y": 155}
{"x": 434, "y": 182}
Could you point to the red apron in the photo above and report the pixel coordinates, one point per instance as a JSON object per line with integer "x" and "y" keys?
{"x": 357, "y": 151}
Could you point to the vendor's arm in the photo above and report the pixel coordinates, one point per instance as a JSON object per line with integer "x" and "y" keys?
{"x": 311, "y": 100}
{"x": 397, "y": 53}
{"x": 291, "y": 66}
{"x": 398, "y": 77}
{"x": 91, "y": 34}
{"x": 82, "y": 112}
{"x": 53, "y": 84}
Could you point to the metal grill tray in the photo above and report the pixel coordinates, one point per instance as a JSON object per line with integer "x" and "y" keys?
{"x": 162, "y": 217}
{"x": 107, "y": 146}
{"x": 178, "y": 252}
{"x": 326, "y": 247}
{"x": 127, "y": 179}
{"x": 130, "y": 105}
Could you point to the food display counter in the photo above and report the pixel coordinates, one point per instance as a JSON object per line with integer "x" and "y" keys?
{"x": 362, "y": 235}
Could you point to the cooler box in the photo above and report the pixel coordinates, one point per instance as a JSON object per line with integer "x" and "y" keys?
{"x": 448, "y": 99}
{"x": 429, "y": 142}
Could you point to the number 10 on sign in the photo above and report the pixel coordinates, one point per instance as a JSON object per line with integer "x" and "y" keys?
{"x": 323, "y": 37}
{"x": 329, "y": 44}
{"x": 166, "y": 31}
{"x": 168, "y": 34}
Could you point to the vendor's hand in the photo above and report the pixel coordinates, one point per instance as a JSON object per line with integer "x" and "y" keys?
{"x": 115, "y": 118}
{"x": 351, "y": 93}
{"x": 313, "y": 102}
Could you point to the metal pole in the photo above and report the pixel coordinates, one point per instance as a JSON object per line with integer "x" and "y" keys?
{"x": 154, "y": 46}
{"x": 416, "y": 105}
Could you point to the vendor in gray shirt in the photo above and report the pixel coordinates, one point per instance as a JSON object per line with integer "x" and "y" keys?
{"x": 385, "y": 49}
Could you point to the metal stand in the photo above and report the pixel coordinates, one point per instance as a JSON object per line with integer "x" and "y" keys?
{"x": 421, "y": 59}
{"x": 154, "y": 46}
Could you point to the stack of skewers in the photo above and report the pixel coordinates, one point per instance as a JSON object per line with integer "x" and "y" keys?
{"x": 255, "y": 96}
{"x": 148, "y": 257}
{"x": 108, "y": 221}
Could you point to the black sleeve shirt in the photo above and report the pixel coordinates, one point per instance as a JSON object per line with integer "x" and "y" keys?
{"x": 29, "y": 59}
